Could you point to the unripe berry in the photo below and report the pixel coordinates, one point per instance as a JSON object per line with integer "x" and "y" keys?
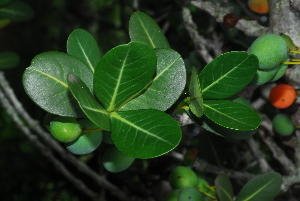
{"x": 65, "y": 129}
{"x": 182, "y": 177}
{"x": 283, "y": 125}
{"x": 270, "y": 49}
{"x": 189, "y": 194}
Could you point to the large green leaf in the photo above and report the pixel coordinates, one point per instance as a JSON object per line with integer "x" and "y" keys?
{"x": 196, "y": 104}
{"x": 144, "y": 133}
{"x": 87, "y": 102}
{"x": 82, "y": 45}
{"x": 123, "y": 72}
{"x": 227, "y": 74}
{"x": 231, "y": 115}
{"x": 16, "y": 11}
{"x": 224, "y": 188}
{"x": 166, "y": 87}
{"x": 8, "y": 60}
{"x": 264, "y": 187}
{"x": 45, "y": 81}
{"x": 143, "y": 28}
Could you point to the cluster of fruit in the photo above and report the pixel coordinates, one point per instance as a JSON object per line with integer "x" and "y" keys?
{"x": 81, "y": 136}
{"x": 272, "y": 51}
{"x": 188, "y": 186}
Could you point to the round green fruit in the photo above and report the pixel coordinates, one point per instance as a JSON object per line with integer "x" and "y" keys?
{"x": 87, "y": 142}
{"x": 263, "y": 76}
{"x": 190, "y": 194}
{"x": 281, "y": 71}
{"x": 283, "y": 125}
{"x": 47, "y": 120}
{"x": 270, "y": 49}
{"x": 115, "y": 161}
{"x": 65, "y": 129}
{"x": 182, "y": 177}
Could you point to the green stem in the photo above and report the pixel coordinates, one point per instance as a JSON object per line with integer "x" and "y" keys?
{"x": 91, "y": 130}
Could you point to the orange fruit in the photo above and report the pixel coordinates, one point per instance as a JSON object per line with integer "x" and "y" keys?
{"x": 282, "y": 96}
{"x": 259, "y": 6}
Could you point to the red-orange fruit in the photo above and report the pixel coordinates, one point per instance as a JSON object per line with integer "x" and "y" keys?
{"x": 259, "y": 6}
{"x": 282, "y": 96}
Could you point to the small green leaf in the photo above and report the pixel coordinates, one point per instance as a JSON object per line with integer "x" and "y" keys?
{"x": 196, "y": 104}
{"x": 8, "y": 60}
{"x": 144, "y": 133}
{"x": 224, "y": 188}
{"x": 143, "y": 28}
{"x": 45, "y": 81}
{"x": 167, "y": 85}
{"x": 123, "y": 72}
{"x": 16, "y": 11}
{"x": 231, "y": 114}
{"x": 264, "y": 187}
{"x": 227, "y": 74}
{"x": 87, "y": 102}
{"x": 82, "y": 45}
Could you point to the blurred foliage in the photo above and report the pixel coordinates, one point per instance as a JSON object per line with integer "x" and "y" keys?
{"x": 25, "y": 173}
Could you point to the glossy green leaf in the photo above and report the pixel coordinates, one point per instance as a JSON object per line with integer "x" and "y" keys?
{"x": 264, "y": 187}
{"x": 143, "y": 28}
{"x": 231, "y": 115}
{"x": 123, "y": 72}
{"x": 166, "y": 87}
{"x": 196, "y": 104}
{"x": 8, "y": 60}
{"x": 16, "y": 11}
{"x": 224, "y": 188}
{"x": 88, "y": 103}
{"x": 227, "y": 74}
{"x": 144, "y": 133}
{"x": 82, "y": 45}
{"x": 45, "y": 81}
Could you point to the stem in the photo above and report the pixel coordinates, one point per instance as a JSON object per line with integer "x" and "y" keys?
{"x": 91, "y": 130}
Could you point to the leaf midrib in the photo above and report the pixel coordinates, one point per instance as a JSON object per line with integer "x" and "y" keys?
{"x": 84, "y": 54}
{"x": 52, "y": 77}
{"x": 146, "y": 32}
{"x": 259, "y": 190}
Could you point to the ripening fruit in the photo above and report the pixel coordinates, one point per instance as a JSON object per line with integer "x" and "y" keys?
{"x": 270, "y": 49}
{"x": 263, "y": 76}
{"x": 189, "y": 194}
{"x": 259, "y": 6}
{"x": 182, "y": 177}
{"x": 283, "y": 125}
{"x": 65, "y": 129}
{"x": 87, "y": 142}
{"x": 282, "y": 96}
{"x": 115, "y": 161}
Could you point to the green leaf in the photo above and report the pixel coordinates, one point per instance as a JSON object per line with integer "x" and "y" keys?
{"x": 144, "y": 133}
{"x": 196, "y": 104}
{"x": 82, "y": 45}
{"x": 231, "y": 114}
{"x": 224, "y": 188}
{"x": 227, "y": 74}
{"x": 166, "y": 87}
{"x": 123, "y": 72}
{"x": 264, "y": 187}
{"x": 45, "y": 81}
{"x": 16, "y": 11}
{"x": 143, "y": 28}
{"x": 87, "y": 102}
{"x": 8, "y": 60}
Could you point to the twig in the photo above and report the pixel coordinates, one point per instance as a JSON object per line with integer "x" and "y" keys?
{"x": 44, "y": 150}
{"x": 34, "y": 125}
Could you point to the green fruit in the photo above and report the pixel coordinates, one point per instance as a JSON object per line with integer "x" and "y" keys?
{"x": 281, "y": 71}
{"x": 87, "y": 142}
{"x": 173, "y": 195}
{"x": 270, "y": 49}
{"x": 190, "y": 194}
{"x": 203, "y": 187}
{"x": 65, "y": 129}
{"x": 47, "y": 120}
{"x": 289, "y": 42}
{"x": 263, "y": 76}
{"x": 115, "y": 161}
{"x": 283, "y": 125}
{"x": 182, "y": 177}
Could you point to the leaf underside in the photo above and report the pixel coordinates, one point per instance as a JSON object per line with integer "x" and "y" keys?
{"x": 196, "y": 104}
